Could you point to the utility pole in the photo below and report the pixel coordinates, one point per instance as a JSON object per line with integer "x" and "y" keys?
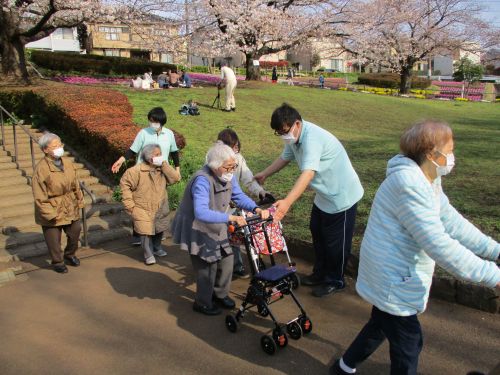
{"x": 186, "y": 18}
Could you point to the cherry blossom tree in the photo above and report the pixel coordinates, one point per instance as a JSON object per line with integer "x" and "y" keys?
{"x": 398, "y": 34}
{"x": 260, "y": 27}
{"x": 24, "y": 21}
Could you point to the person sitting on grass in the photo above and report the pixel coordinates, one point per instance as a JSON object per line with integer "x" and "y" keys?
{"x": 145, "y": 198}
{"x": 185, "y": 79}
{"x": 173, "y": 79}
{"x": 200, "y": 227}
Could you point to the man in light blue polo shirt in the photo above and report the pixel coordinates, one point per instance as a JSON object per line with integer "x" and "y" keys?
{"x": 326, "y": 168}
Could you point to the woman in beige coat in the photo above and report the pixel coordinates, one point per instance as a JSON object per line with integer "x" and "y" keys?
{"x": 144, "y": 196}
{"x": 58, "y": 200}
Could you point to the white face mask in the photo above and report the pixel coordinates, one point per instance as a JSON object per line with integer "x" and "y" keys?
{"x": 158, "y": 161}
{"x": 58, "y": 152}
{"x": 289, "y": 138}
{"x": 155, "y": 125}
{"x": 226, "y": 177}
{"x": 443, "y": 170}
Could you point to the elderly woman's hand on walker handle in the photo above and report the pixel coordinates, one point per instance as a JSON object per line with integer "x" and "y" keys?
{"x": 239, "y": 220}
{"x": 264, "y": 214}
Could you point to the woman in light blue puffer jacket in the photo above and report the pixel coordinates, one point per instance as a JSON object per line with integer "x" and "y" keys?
{"x": 411, "y": 227}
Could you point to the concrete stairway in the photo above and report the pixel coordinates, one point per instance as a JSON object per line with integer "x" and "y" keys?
{"x": 20, "y": 237}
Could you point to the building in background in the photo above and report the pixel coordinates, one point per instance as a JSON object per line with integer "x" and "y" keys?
{"x": 156, "y": 40}
{"x": 320, "y": 53}
{"x": 61, "y": 40}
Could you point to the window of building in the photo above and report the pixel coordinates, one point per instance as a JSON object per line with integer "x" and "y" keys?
{"x": 112, "y": 52}
{"x": 113, "y": 33}
{"x": 63, "y": 33}
{"x": 166, "y": 58}
{"x": 337, "y": 64}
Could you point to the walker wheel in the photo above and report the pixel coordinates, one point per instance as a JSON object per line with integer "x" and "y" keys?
{"x": 280, "y": 338}
{"x": 263, "y": 310}
{"x": 268, "y": 345}
{"x": 231, "y": 323}
{"x": 295, "y": 281}
{"x": 306, "y": 325}
{"x": 294, "y": 330}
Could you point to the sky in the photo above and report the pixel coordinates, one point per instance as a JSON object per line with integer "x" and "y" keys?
{"x": 491, "y": 11}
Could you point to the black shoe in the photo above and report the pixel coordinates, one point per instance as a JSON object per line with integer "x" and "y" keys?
{"x": 241, "y": 274}
{"x": 324, "y": 290}
{"x": 336, "y": 370}
{"x": 72, "y": 261}
{"x": 60, "y": 268}
{"x": 207, "y": 310}
{"x": 226, "y": 302}
{"x": 226, "y": 110}
{"x": 233, "y": 109}
{"x": 311, "y": 280}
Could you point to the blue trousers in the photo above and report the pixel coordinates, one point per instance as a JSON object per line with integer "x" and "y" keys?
{"x": 405, "y": 341}
{"x": 332, "y": 239}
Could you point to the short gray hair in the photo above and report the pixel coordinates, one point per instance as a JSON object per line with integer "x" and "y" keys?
{"x": 147, "y": 151}
{"x": 218, "y": 154}
{"x": 46, "y": 139}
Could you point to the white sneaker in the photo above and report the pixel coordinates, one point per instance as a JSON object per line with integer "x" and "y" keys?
{"x": 160, "y": 253}
{"x": 151, "y": 260}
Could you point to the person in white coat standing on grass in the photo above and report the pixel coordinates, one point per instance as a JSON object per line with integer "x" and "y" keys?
{"x": 228, "y": 79}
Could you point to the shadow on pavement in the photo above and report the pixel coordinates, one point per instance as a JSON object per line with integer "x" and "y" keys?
{"x": 245, "y": 344}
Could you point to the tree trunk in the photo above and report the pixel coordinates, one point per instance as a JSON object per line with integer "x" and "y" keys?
{"x": 11, "y": 50}
{"x": 405, "y": 76}
{"x": 13, "y": 60}
{"x": 253, "y": 72}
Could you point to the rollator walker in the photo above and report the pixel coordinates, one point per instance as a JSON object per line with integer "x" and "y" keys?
{"x": 268, "y": 284}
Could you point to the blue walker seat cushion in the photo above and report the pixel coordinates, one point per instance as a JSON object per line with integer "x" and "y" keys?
{"x": 275, "y": 273}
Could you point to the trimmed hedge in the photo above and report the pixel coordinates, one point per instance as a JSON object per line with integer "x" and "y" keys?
{"x": 66, "y": 61}
{"x": 96, "y": 122}
{"x": 391, "y": 80}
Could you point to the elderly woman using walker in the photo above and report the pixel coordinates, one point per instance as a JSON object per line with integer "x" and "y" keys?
{"x": 200, "y": 227}
{"x": 144, "y": 192}
{"x": 412, "y": 226}
{"x": 58, "y": 200}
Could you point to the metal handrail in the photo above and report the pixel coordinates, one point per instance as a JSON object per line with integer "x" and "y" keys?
{"x": 84, "y": 215}
{"x": 16, "y": 123}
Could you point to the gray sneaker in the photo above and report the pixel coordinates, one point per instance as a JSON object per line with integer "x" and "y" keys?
{"x": 160, "y": 253}
{"x": 150, "y": 261}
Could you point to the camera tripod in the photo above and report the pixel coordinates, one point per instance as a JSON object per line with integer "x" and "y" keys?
{"x": 217, "y": 99}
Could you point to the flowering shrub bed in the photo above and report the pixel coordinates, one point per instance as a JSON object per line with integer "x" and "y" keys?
{"x": 209, "y": 78}
{"x": 76, "y": 80}
{"x": 453, "y": 90}
{"x": 96, "y": 122}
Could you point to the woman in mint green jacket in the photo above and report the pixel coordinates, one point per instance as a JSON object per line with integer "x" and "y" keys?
{"x": 411, "y": 227}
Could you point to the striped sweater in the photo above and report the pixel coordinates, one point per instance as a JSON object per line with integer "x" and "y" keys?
{"x": 411, "y": 227}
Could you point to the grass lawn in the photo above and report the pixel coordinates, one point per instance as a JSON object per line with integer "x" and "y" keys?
{"x": 369, "y": 126}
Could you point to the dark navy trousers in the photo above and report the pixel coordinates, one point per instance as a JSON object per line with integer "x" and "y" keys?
{"x": 405, "y": 341}
{"x": 332, "y": 239}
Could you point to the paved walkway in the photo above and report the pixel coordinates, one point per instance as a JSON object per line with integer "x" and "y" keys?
{"x": 114, "y": 315}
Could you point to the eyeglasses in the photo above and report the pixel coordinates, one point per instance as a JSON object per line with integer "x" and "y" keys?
{"x": 283, "y": 132}
{"x": 230, "y": 169}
